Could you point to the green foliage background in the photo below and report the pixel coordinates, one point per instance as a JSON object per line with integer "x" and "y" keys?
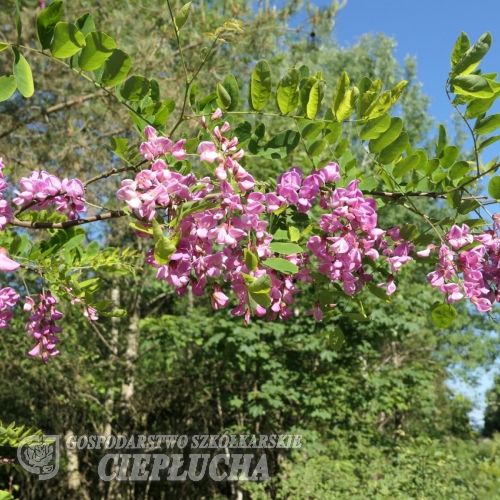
{"x": 376, "y": 416}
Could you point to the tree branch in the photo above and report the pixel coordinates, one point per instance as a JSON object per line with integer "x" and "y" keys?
{"x": 113, "y": 214}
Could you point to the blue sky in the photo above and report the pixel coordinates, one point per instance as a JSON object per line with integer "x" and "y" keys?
{"x": 427, "y": 30}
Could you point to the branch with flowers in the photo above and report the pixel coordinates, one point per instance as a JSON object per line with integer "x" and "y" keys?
{"x": 252, "y": 245}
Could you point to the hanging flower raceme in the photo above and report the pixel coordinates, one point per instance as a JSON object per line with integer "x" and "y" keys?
{"x": 211, "y": 242}
{"x": 8, "y": 298}
{"x": 470, "y": 268}
{"x": 42, "y": 189}
{"x": 42, "y": 326}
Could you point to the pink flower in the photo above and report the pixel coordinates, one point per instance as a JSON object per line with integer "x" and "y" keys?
{"x": 7, "y": 264}
{"x": 427, "y": 251}
{"x": 317, "y": 313}
{"x": 217, "y": 114}
{"x": 207, "y": 151}
{"x": 219, "y": 299}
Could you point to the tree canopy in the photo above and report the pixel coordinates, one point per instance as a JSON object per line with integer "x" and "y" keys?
{"x": 230, "y": 162}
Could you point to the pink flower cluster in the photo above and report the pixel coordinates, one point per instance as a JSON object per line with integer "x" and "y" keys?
{"x": 225, "y": 152}
{"x": 41, "y": 189}
{"x": 159, "y": 146}
{"x": 6, "y": 212}
{"x": 158, "y": 185}
{"x": 42, "y": 325}
{"x": 211, "y": 242}
{"x": 469, "y": 266}
{"x": 352, "y": 219}
{"x": 8, "y": 298}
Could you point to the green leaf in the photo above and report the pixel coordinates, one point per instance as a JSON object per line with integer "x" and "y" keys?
{"x": 369, "y": 96}
{"x": 348, "y": 104}
{"x": 154, "y": 91}
{"x": 388, "y": 137}
{"x": 442, "y": 140}
{"x": 462, "y": 45}
{"x": 231, "y": 86}
{"x": 293, "y": 233}
{"x": 438, "y": 175}
{"x": 469, "y": 61}
{"x": 86, "y": 24}
{"x": 304, "y": 71}
{"x": 468, "y": 206}
{"x": 409, "y": 232}
{"x": 379, "y": 106}
{"x": 341, "y": 148}
{"x": 251, "y": 260}
{"x": 448, "y": 156}
{"x": 163, "y": 112}
{"x": 316, "y": 148}
{"x": 494, "y": 188}
{"x": 368, "y": 184}
{"x": 310, "y": 130}
{"x": 487, "y": 124}
{"x": 8, "y": 86}
{"x": 260, "y": 85}
{"x": 397, "y": 91}
{"x": 375, "y": 127}
{"x": 139, "y": 227}
{"x": 46, "y": 23}
{"x": 488, "y": 142}
{"x": 223, "y": 97}
{"x": 443, "y": 315}
{"x": 305, "y": 89}
{"x": 281, "y": 145}
{"x": 478, "y": 107}
{"x": 458, "y": 170}
{"x": 192, "y": 207}
{"x": 98, "y": 48}
{"x": 472, "y": 85}
{"x": 116, "y": 68}
{"x": 4, "y": 46}
{"x": 339, "y": 93}
{"x": 68, "y": 40}
{"x": 261, "y": 299}
{"x": 378, "y": 292}
{"x": 423, "y": 158}
{"x": 287, "y": 96}
{"x": 424, "y": 239}
{"x": 74, "y": 242}
{"x": 115, "y": 313}
{"x": 315, "y": 98}
{"x": 164, "y": 246}
{"x": 22, "y": 74}
{"x": 182, "y": 16}
{"x": 157, "y": 230}
{"x": 92, "y": 250}
{"x": 405, "y": 165}
{"x": 332, "y": 132}
{"x": 119, "y": 146}
{"x": 260, "y": 285}
{"x": 336, "y": 339}
{"x": 281, "y": 265}
{"x": 285, "y": 248}
{"x": 391, "y": 152}
{"x": 135, "y": 88}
